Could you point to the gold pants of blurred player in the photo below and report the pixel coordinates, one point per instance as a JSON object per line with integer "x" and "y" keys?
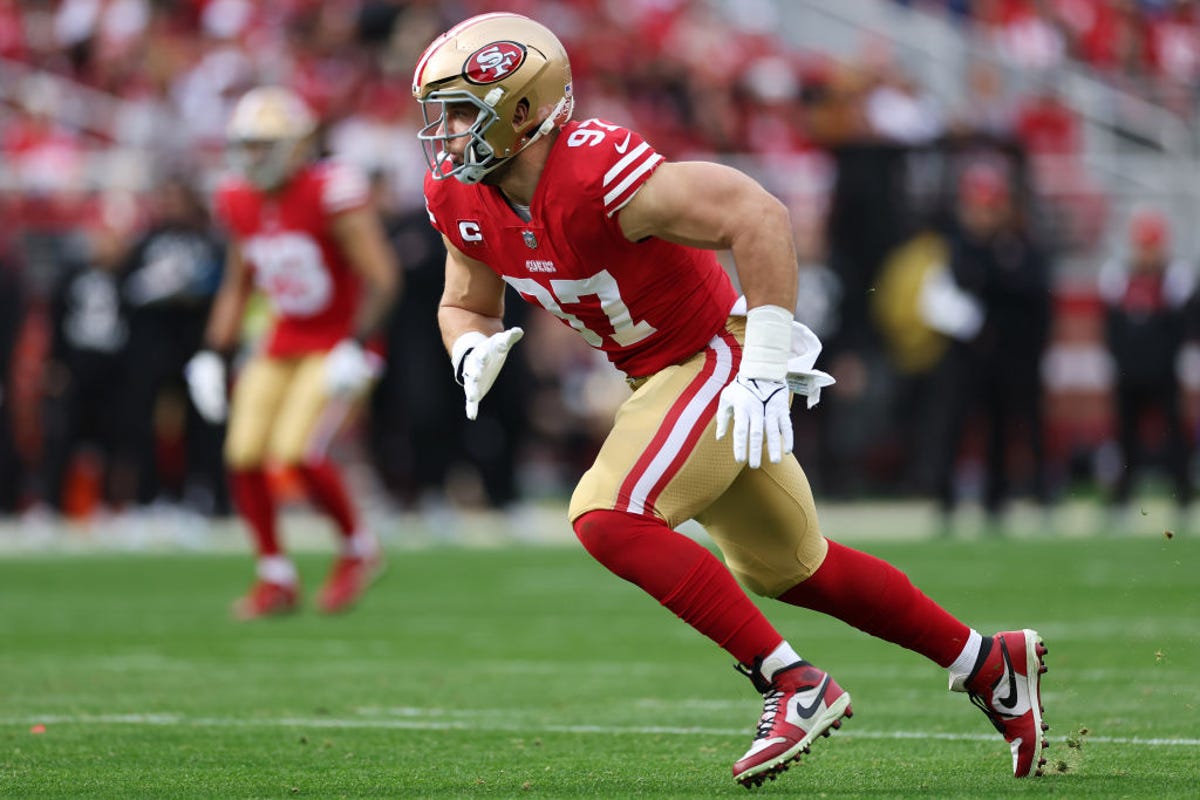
{"x": 662, "y": 458}
{"x": 281, "y": 412}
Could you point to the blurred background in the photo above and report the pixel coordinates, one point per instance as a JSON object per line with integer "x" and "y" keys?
{"x": 995, "y": 204}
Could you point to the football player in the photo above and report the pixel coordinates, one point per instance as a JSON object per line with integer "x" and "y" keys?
{"x": 303, "y": 232}
{"x": 585, "y": 219}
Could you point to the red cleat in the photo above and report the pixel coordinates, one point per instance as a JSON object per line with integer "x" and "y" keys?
{"x": 266, "y": 599}
{"x": 347, "y": 581}
{"x": 1007, "y": 688}
{"x": 799, "y": 704}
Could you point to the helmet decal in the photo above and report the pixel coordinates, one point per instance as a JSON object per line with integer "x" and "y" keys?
{"x": 493, "y": 62}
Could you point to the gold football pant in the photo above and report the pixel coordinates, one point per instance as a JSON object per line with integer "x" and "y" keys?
{"x": 662, "y": 458}
{"x": 282, "y": 413}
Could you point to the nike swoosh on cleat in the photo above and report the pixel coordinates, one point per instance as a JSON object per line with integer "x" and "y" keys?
{"x": 807, "y": 711}
{"x": 1010, "y": 701}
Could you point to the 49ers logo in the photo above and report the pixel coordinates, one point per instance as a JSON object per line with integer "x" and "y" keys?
{"x": 493, "y": 62}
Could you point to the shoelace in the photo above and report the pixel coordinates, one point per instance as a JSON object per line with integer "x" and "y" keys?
{"x": 992, "y": 715}
{"x": 770, "y": 709}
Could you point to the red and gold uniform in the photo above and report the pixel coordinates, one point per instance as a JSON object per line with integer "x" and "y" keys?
{"x": 490, "y": 89}
{"x": 280, "y": 409}
{"x": 661, "y": 313}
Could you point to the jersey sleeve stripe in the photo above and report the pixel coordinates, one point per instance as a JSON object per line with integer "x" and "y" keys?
{"x": 623, "y": 192}
{"x": 620, "y": 166}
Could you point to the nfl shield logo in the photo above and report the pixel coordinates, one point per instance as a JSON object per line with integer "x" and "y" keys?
{"x": 530, "y": 240}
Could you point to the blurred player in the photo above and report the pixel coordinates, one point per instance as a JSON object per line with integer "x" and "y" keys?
{"x": 303, "y": 232}
{"x": 585, "y": 219}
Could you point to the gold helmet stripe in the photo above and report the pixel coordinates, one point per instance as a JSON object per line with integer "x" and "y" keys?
{"x": 450, "y": 34}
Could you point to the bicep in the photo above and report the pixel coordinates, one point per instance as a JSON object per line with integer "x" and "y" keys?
{"x": 471, "y": 285}
{"x": 697, "y": 204}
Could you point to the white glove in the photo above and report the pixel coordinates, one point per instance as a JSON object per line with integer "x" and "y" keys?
{"x": 205, "y": 374}
{"x": 349, "y": 368}
{"x": 757, "y": 399}
{"x": 477, "y": 361}
{"x": 758, "y": 407}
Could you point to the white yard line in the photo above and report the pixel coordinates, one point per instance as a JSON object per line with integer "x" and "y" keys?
{"x": 179, "y": 720}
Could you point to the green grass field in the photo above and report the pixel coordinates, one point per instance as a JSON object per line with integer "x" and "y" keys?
{"x": 530, "y": 672}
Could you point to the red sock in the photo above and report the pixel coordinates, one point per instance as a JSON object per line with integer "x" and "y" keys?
{"x": 327, "y": 491}
{"x": 683, "y": 576}
{"x": 252, "y": 496}
{"x": 875, "y": 597}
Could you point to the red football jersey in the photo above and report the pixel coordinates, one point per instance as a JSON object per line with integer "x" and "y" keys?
{"x": 287, "y": 243}
{"x": 647, "y": 304}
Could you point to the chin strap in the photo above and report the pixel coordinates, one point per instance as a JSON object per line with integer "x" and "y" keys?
{"x": 563, "y": 109}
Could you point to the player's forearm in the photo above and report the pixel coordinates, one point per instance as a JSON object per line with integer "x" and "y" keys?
{"x": 454, "y": 321}
{"x": 377, "y": 302}
{"x": 224, "y": 322}
{"x": 361, "y": 237}
{"x": 765, "y": 255}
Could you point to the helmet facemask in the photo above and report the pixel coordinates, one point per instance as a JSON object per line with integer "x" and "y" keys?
{"x": 494, "y": 64}
{"x": 266, "y": 163}
{"x": 479, "y": 158}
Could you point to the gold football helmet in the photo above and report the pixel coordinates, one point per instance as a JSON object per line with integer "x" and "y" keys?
{"x": 493, "y": 62}
{"x": 268, "y": 135}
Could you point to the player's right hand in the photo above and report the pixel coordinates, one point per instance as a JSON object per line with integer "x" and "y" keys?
{"x": 477, "y": 361}
{"x": 759, "y": 409}
{"x": 349, "y": 368}
{"x": 205, "y": 373}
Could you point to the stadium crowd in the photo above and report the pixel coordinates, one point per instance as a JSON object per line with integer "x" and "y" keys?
{"x": 112, "y": 135}
{"x": 1150, "y": 46}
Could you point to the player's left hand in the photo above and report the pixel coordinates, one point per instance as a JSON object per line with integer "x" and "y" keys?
{"x": 349, "y": 368}
{"x": 758, "y": 408}
{"x": 205, "y": 375}
{"x": 477, "y": 360}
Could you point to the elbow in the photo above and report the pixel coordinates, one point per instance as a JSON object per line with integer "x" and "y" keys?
{"x": 764, "y": 219}
{"x": 756, "y": 218}
{"x": 762, "y": 215}
{"x": 387, "y": 281}
{"x": 393, "y": 285}
{"x": 774, "y": 213}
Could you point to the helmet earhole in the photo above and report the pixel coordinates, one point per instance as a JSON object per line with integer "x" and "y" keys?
{"x": 521, "y": 113}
